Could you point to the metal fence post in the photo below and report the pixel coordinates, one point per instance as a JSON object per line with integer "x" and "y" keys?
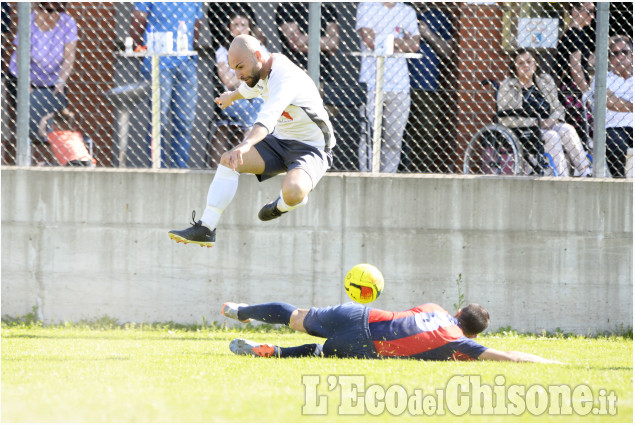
{"x": 599, "y": 101}
{"x": 313, "y": 57}
{"x": 23, "y": 148}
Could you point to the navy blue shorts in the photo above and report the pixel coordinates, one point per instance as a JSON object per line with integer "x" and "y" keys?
{"x": 345, "y": 328}
{"x": 283, "y": 155}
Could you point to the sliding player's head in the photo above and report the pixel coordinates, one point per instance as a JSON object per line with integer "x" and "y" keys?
{"x": 473, "y": 319}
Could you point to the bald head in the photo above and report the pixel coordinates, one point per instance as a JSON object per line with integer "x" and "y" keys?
{"x": 246, "y": 58}
{"x": 244, "y": 43}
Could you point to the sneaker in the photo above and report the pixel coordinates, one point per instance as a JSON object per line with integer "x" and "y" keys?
{"x": 586, "y": 173}
{"x": 198, "y": 234}
{"x": 244, "y": 347}
{"x": 270, "y": 211}
{"x": 231, "y": 310}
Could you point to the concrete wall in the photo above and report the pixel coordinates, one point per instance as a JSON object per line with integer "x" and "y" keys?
{"x": 539, "y": 253}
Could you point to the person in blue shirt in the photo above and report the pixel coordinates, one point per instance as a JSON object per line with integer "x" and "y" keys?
{"x": 422, "y": 138}
{"x": 425, "y": 332}
{"x": 178, "y": 75}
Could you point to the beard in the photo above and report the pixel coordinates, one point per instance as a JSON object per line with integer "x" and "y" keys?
{"x": 253, "y": 80}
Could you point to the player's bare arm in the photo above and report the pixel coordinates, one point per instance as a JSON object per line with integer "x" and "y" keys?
{"x": 227, "y": 98}
{"x": 253, "y": 136}
{"x": 513, "y": 356}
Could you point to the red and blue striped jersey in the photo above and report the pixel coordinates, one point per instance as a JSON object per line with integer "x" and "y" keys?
{"x": 426, "y": 332}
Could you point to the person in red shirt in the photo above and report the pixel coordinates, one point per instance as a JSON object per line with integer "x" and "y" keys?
{"x": 66, "y": 142}
{"x": 425, "y": 332}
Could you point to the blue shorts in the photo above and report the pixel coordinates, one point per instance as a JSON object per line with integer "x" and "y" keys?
{"x": 345, "y": 328}
{"x": 283, "y": 155}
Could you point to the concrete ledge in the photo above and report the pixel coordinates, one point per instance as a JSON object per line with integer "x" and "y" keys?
{"x": 539, "y": 253}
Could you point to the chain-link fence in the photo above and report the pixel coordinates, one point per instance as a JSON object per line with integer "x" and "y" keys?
{"x": 489, "y": 88}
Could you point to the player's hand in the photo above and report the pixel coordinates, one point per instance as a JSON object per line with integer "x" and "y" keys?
{"x": 224, "y": 100}
{"x": 236, "y": 155}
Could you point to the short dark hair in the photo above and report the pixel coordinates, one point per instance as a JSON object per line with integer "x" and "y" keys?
{"x": 229, "y": 12}
{"x": 64, "y": 119}
{"x": 473, "y": 319}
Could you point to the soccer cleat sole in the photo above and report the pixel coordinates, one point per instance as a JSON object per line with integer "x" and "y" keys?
{"x": 243, "y": 347}
{"x": 223, "y": 310}
{"x": 180, "y": 239}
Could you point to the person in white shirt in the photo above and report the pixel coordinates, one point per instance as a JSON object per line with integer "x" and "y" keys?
{"x": 619, "y": 103}
{"x": 292, "y": 134}
{"x": 376, "y": 22}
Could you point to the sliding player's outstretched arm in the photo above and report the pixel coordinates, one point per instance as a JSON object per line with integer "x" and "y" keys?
{"x": 513, "y": 356}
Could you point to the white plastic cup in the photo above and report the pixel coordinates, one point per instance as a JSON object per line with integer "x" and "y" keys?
{"x": 128, "y": 45}
{"x": 150, "y": 42}
{"x": 163, "y": 42}
{"x": 168, "y": 42}
{"x": 390, "y": 44}
{"x": 385, "y": 45}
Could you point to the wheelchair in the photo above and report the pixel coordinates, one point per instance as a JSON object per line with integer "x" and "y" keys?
{"x": 500, "y": 150}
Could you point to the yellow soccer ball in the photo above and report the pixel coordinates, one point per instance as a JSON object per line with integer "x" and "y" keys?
{"x": 364, "y": 283}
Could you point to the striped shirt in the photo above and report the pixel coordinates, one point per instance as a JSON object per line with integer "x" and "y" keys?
{"x": 426, "y": 332}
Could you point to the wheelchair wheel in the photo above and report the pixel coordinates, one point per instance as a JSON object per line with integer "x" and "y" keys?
{"x": 494, "y": 149}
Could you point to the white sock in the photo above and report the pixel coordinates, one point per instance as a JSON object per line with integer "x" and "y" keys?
{"x": 220, "y": 194}
{"x": 283, "y": 207}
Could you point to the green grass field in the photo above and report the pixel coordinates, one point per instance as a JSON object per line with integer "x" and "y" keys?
{"x": 166, "y": 374}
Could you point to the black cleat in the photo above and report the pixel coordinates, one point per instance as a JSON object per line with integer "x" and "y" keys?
{"x": 270, "y": 211}
{"x": 198, "y": 234}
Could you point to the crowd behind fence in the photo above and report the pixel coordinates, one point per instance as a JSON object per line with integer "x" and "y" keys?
{"x": 485, "y": 88}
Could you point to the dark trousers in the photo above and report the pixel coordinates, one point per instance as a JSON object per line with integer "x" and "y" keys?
{"x": 423, "y": 149}
{"x": 618, "y": 140}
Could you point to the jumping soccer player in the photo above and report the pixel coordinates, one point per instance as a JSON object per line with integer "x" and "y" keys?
{"x": 292, "y": 133}
{"x": 426, "y": 332}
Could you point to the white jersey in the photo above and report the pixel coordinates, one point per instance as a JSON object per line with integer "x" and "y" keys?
{"x": 293, "y": 108}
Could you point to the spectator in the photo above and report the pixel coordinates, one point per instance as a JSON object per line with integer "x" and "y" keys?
{"x": 292, "y": 20}
{"x": 375, "y": 22}
{"x": 574, "y": 59}
{"x": 218, "y": 14}
{"x": 532, "y": 97}
{"x": 422, "y": 131}
{"x": 619, "y": 104}
{"x": 178, "y": 75}
{"x": 239, "y": 116}
{"x": 53, "y": 46}
{"x": 66, "y": 142}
